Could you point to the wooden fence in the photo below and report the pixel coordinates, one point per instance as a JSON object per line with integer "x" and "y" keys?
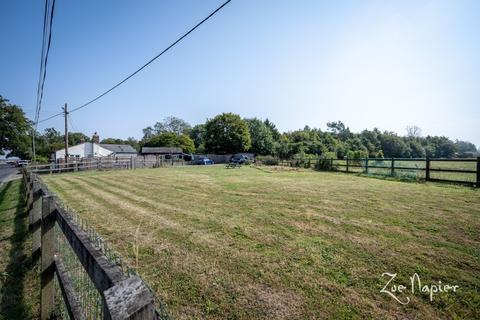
{"x": 78, "y": 279}
{"x": 463, "y": 171}
{"x": 106, "y": 163}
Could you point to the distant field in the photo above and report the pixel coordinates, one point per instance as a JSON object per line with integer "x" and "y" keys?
{"x": 413, "y": 173}
{"x": 277, "y": 243}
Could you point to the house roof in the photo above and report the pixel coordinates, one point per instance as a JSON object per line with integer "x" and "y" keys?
{"x": 162, "y": 150}
{"x": 118, "y": 148}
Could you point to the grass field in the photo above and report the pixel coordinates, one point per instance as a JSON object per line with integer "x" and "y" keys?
{"x": 19, "y": 278}
{"x": 413, "y": 165}
{"x": 279, "y": 243}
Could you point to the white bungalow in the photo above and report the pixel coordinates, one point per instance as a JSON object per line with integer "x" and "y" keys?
{"x": 95, "y": 149}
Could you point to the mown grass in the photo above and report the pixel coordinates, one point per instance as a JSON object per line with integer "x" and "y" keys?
{"x": 19, "y": 278}
{"x": 256, "y": 243}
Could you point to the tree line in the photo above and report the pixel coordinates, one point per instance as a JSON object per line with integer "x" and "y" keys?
{"x": 228, "y": 133}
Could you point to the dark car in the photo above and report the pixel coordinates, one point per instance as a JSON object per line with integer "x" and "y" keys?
{"x": 202, "y": 161}
{"x": 239, "y": 158}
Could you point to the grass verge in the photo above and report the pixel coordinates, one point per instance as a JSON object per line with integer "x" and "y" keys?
{"x": 19, "y": 279}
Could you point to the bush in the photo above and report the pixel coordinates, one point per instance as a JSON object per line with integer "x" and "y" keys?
{"x": 268, "y": 160}
{"x": 42, "y": 160}
{"x": 324, "y": 162}
{"x": 304, "y": 160}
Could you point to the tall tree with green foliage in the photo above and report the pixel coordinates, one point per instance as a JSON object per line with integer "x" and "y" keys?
{"x": 198, "y": 135}
{"x": 227, "y": 133}
{"x": 261, "y": 136}
{"x": 15, "y": 130}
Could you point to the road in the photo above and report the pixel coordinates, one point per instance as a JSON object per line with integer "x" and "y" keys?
{"x": 8, "y": 173}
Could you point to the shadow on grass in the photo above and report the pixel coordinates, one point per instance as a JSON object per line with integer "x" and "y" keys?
{"x": 12, "y": 300}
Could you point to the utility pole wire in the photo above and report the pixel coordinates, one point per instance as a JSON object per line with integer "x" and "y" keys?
{"x": 46, "y": 59}
{"x": 40, "y": 77}
{"x": 43, "y": 69}
{"x": 142, "y": 67}
{"x": 42, "y": 58}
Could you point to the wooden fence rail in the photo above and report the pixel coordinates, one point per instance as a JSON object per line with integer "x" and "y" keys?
{"x": 86, "y": 164}
{"x": 122, "y": 296}
{"x": 462, "y": 171}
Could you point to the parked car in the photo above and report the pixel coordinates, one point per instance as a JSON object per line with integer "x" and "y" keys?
{"x": 239, "y": 158}
{"x": 202, "y": 161}
{"x": 22, "y": 163}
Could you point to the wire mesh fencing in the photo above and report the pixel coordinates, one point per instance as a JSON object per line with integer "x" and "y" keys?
{"x": 89, "y": 297}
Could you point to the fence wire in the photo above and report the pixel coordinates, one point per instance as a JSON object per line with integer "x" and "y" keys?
{"x": 89, "y": 297}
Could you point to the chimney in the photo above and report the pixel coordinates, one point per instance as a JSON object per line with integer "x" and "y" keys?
{"x": 95, "y": 138}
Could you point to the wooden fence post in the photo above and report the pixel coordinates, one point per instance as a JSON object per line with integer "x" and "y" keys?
{"x": 47, "y": 298}
{"x": 393, "y": 167}
{"x": 427, "y": 169}
{"x": 478, "y": 173}
{"x": 366, "y": 165}
{"x": 347, "y": 164}
{"x": 331, "y": 164}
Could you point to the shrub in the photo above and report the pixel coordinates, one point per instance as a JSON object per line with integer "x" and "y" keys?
{"x": 324, "y": 162}
{"x": 268, "y": 160}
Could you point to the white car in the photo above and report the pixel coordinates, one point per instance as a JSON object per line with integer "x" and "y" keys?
{"x": 22, "y": 163}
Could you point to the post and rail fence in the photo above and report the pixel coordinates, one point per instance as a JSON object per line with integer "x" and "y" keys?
{"x": 80, "y": 277}
{"x": 106, "y": 163}
{"x": 454, "y": 170}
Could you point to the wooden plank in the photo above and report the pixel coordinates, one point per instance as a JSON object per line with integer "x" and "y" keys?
{"x": 130, "y": 299}
{"x": 47, "y": 295}
{"x": 453, "y": 170}
{"x": 409, "y": 168}
{"x": 478, "y": 172}
{"x": 427, "y": 169}
{"x": 453, "y": 159}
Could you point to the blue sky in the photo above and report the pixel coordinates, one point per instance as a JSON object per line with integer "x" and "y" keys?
{"x": 385, "y": 64}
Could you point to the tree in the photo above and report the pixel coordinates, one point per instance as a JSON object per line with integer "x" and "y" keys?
{"x": 394, "y": 146}
{"x": 198, "y": 135}
{"x": 112, "y": 141}
{"x": 416, "y": 148}
{"x": 440, "y": 147}
{"x": 338, "y": 128}
{"x": 75, "y": 138}
{"x": 261, "y": 137}
{"x": 465, "y": 149}
{"x": 170, "y": 139}
{"x": 147, "y": 133}
{"x": 172, "y": 124}
{"x": 133, "y": 142}
{"x": 227, "y": 133}
{"x": 275, "y": 133}
{"x": 14, "y": 130}
{"x": 414, "y": 131}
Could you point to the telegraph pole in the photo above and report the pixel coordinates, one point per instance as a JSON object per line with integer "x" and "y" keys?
{"x": 65, "y": 114}
{"x": 33, "y": 145}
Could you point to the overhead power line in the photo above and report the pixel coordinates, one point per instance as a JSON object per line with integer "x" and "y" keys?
{"x": 43, "y": 65}
{"x": 142, "y": 67}
{"x": 42, "y": 59}
{"x": 47, "y": 40}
